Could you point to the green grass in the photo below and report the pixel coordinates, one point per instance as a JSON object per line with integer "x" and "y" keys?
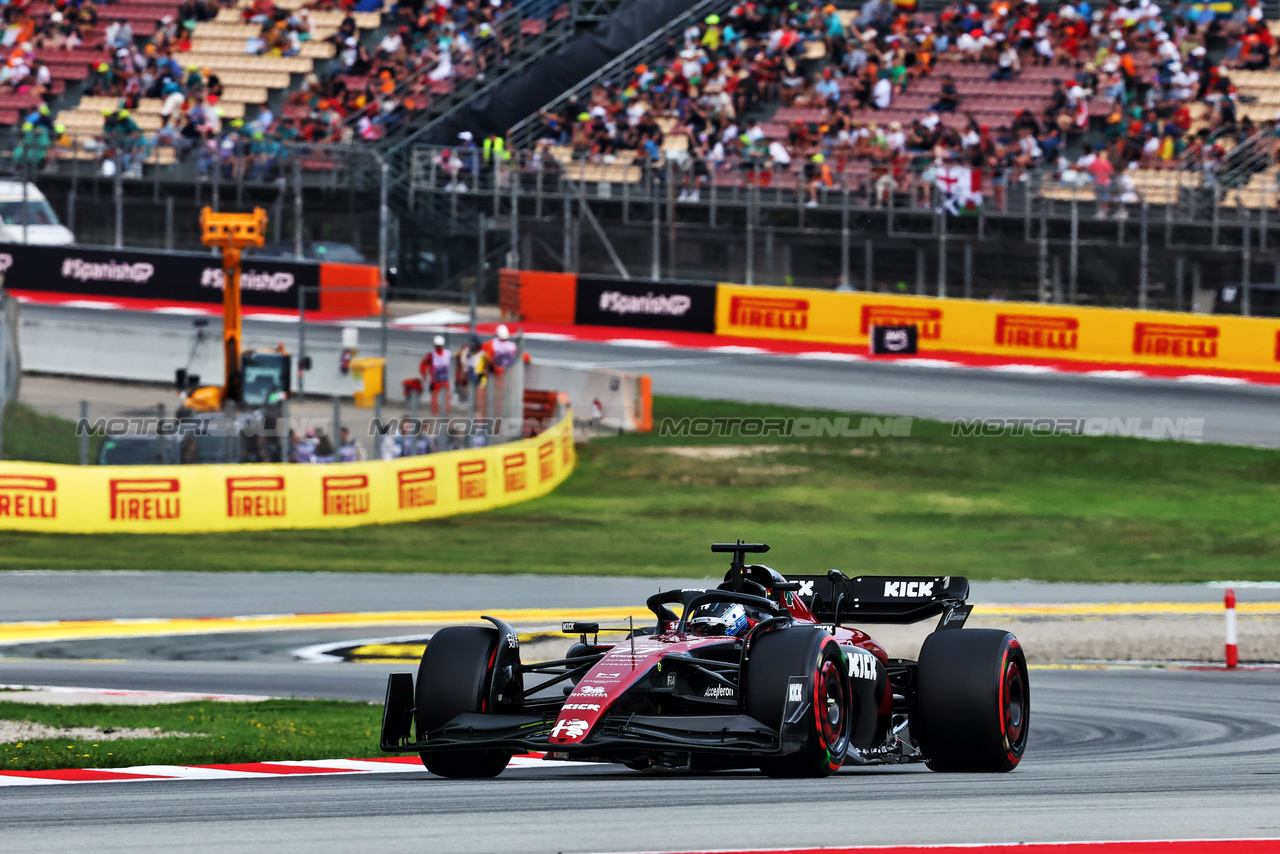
{"x": 216, "y": 733}
{"x": 1060, "y": 509}
{"x": 31, "y": 436}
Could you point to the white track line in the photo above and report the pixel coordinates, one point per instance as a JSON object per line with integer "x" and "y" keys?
{"x": 647, "y": 343}
{"x": 323, "y": 767}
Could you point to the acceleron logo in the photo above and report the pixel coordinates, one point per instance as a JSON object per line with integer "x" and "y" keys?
{"x": 28, "y": 497}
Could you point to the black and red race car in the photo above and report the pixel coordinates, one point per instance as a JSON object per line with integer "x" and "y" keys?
{"x": 764, "y": 671}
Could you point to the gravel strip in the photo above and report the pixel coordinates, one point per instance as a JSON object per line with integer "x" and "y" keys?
{"x": 14, "y": 732}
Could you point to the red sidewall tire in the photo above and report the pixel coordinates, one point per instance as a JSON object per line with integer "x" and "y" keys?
{"x": 973, "y": 701}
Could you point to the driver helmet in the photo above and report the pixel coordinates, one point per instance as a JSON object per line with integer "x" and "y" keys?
{"x": 719, "y": 618}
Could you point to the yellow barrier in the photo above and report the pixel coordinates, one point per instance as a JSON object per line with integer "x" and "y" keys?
{"x": 192, "y": 499}
{"x": 1028, "y": 330}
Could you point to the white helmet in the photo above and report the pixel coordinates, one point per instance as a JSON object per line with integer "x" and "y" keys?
{"x": 719, "y": 618}
{"x": 503, "y": 332}
{"x": 439, "y": 341}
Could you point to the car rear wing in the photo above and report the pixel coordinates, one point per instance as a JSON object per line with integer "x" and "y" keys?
{"x": 885, "y": 598}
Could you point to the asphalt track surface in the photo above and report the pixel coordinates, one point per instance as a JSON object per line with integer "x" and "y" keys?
{"x": 1234, "y": 414}
{"x": 64, "y": 595}
{"x": 1113, "y": 755}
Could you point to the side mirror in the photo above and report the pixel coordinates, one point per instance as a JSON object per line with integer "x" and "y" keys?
{"x": 835, "y": 576}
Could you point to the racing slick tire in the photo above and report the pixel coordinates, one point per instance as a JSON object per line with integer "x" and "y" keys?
{"x": 973, "y": 700}
{"x": 453, "y": 678}
{"x": 828, "y": 725}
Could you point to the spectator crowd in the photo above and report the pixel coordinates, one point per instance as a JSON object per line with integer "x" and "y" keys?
{"x": 1110, "y": 87}
{"x": 883, "y": 88}
{"x": 365, "y": 93}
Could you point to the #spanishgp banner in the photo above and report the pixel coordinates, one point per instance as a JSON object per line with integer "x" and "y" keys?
{"x": 177, "y": 276}
{"x": 645, "y": 305}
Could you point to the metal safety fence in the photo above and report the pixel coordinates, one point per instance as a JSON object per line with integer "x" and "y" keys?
{"x": 319, "y": 198}
{"x": 1159, "y": 238}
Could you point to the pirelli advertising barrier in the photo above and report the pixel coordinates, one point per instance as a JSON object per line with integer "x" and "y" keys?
{"x": 1000, "y": 329}
{"x": 1019, "y": 330}
{"x": 194, "y": 499}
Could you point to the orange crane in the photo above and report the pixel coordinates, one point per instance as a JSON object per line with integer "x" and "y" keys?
{"x": 250, "y": 378}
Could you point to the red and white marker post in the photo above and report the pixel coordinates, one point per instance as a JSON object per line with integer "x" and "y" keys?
{"x": 1233, "y": 657}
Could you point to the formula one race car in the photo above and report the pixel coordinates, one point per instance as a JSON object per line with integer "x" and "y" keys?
{"x": 761, "y": 671}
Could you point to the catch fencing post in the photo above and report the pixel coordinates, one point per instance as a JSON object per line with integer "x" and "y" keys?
{"x": 869, "y": 248}
{"x": 1144, "y": 261}
{"x": 302, "y": 340}
{"x": 337, "y": 419}
{"x": 415, "y": 398}
{"x": 968, "y": 270}
{"x": 117, "y": 191}
{"x": 566, "y": 247}
{"x": 297, "y": 209}
{"x": 1245, "y": 262}
{"x": 1233, "y": 655}
{"x": 481, "y": 250}
{"x": 385, "y": 291}
{"x": 1042, "y": 265}
{"x": 942, "y": 253}
{"x": 671, "y": 221}
{"x": 844, "y": 240}
{"x": 384, "y": 224}
{"x": 491, "y": 398}
{"x": 84, "y": 433}
{"x": 168, "y": 223}
{"x": 655, "y": 249}
{"x": 515, "y": 220}
{"x": 283, "y": 427}
{"x": 1179, "y": 274}
{"x": 1073, "y": 274}
{"x": 26, "y": 207}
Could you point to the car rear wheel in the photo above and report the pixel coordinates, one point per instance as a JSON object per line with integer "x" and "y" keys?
{"x": 973, "y": 700}
{"x": 453, "y": 678}
{"x": 827, "y": 723}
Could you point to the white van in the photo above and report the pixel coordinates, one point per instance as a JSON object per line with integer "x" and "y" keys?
{"x": 29, "y": 219}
